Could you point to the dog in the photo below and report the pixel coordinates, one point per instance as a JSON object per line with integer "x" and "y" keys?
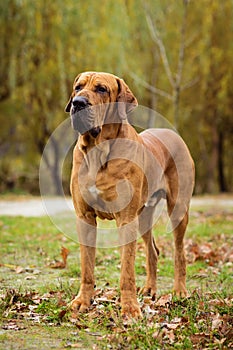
{"x": 122, "y": 175}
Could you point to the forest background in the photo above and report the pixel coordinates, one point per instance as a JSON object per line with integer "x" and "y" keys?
{"x": 176, "y": 56}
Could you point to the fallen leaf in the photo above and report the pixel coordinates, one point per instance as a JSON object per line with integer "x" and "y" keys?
{"x": 62, "y": 314}
{"x": 164, "y": 333}
{"x": 146, "y": 300}
{"x": 209, "y": 252}
{"x": 149, "y": 312}
{"x": 199, "y": 338}
{"x": 28, "y": 278}
{"x": 74, "y": 346}
{"x": 164, "y": 300}
{"x": 61, "y": 264}
{"x": 13, "y": 326}
{"x": 16, "y": 268}
{"x": 19, "y": 269}
{"x": 173, "y": 325}
{"x": 216, "y": 322}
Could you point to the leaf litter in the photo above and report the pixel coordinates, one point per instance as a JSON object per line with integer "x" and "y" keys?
{"x": 212, "y": 322}
{"x": 203, "y": 318}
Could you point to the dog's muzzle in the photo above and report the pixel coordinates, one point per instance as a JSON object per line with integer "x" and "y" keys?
{"x": 82, "y": 117}
{"x": 79, "y": 103}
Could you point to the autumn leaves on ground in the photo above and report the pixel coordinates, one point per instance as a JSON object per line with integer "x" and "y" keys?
{"x": 40, "y": 271}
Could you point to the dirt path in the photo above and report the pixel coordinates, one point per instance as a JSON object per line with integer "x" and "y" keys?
{"x": 35, "y": 207}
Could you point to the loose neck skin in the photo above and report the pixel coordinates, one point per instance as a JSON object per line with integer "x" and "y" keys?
{"x": 109, "y": 132}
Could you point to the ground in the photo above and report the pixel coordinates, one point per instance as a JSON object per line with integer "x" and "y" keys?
{"x": 40, "y": 274}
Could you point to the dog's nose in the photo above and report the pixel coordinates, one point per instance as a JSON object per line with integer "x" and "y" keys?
{"x": 80, "y": 102}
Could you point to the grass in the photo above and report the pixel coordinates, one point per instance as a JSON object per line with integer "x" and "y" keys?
{"x": 34, "y": 296}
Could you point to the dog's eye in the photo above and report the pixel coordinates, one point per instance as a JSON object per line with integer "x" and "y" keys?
{"x": 78, "y": 88}
{"x": 101, "y": 89}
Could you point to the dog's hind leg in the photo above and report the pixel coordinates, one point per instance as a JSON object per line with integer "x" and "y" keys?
{"x": 179, "y": 224}
{"x": 152, "y": 252}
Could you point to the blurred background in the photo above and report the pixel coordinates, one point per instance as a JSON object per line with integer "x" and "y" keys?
{"x": 176, "y": 56}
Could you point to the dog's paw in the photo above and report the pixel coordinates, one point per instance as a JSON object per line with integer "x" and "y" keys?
{"x": 180, "y": 292}
{"x": 148, "y": 291}
{"x": 82, "y": 301}
{"x": 131, "y": 310}
{"x": 79, "y": 305}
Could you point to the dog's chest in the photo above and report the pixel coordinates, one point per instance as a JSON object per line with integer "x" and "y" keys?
{"x": 112, "y": 188}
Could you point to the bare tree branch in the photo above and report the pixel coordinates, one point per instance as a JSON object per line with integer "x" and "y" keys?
{"x": 180, "y": 65}
{"x": 150, "y": 87}
{"x": 182, "y": 46}
{"x": 175, "y": 79}
{"x": 157, "y": 39}
{"x": 189, "y": 84}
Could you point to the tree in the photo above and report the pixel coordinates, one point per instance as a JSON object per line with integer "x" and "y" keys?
{"x": 175, "y": 55}
{"x": 216, "y": 90}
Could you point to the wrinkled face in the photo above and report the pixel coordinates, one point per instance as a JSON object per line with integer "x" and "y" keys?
{"x": 96, "y": 98}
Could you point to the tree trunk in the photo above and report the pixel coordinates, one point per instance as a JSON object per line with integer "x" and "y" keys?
{"x": 52, "y": 161}
{"x": 213, "y": 164}
{"x": 221, "y": 175}
{"x": 55, "y": 168}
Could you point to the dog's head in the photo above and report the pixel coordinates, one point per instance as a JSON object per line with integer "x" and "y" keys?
{"x": 96, "y": 99}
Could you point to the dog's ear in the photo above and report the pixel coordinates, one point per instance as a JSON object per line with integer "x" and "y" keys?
{"x": 125, "y": 98}
{"x": 68, "y": 106}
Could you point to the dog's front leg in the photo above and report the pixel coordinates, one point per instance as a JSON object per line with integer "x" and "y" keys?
{"x": 87, "y": 239}
{"x": 129, "y": 303}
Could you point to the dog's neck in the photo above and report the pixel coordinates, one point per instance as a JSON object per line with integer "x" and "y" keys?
{"x": 96, "y": 150}
{"x": 86, "y": 142}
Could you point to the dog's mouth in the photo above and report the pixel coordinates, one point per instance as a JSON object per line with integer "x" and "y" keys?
{"x": 83, "y": 122}
{"x": 94, "y": 132}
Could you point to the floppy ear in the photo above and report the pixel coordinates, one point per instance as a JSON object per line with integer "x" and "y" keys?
{"x": 68, "y": 106}
{"x": 127, "y": 100}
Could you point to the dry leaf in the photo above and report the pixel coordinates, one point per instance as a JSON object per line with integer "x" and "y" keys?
{"x": 217, "y": 322}
{"x": 61, "y": 264}
{"x": 19, "y": 269}
{"x": 75, "y": 345}
{"x": 164, "y": 300}
{"x": 16, "y": 268}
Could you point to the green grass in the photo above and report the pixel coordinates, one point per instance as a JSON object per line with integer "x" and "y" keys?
{"x": 34, "y": 296}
